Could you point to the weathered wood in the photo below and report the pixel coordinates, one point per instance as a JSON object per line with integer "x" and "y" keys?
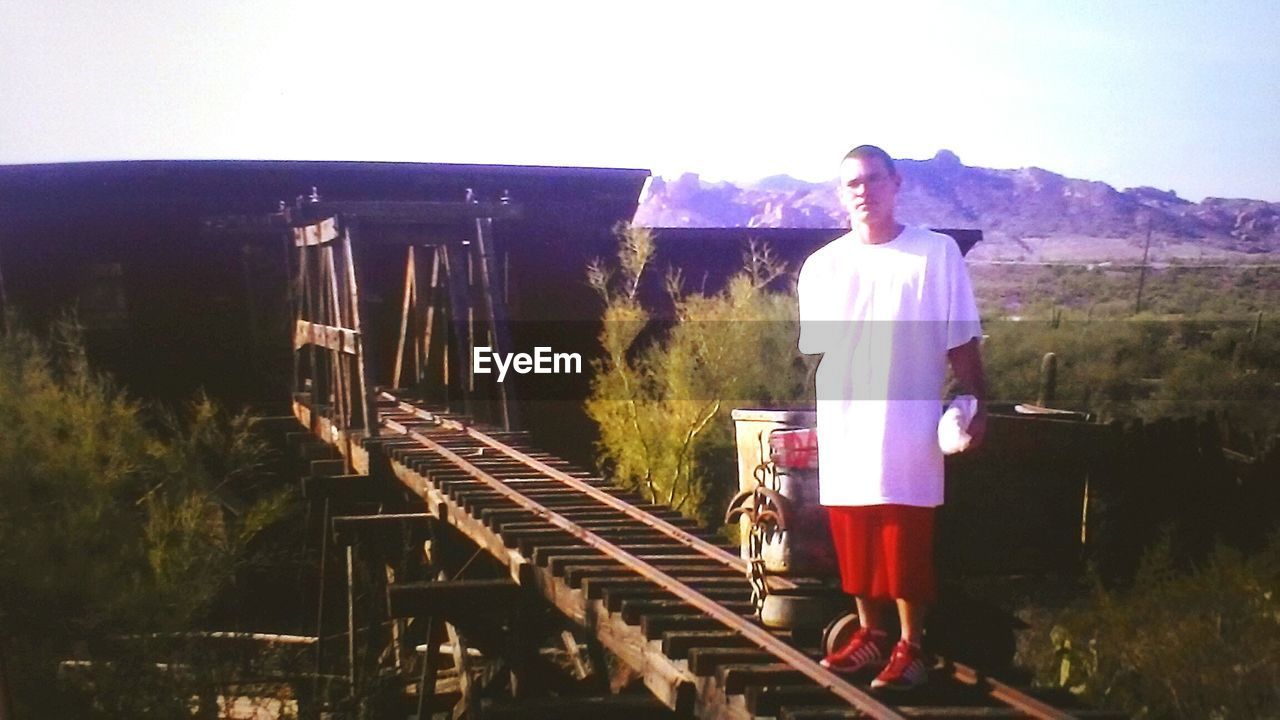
{"x": 575, "y": 575}
{"x": 328, "y": 468}
{"x": 452, "y": 599}
{"x": 351, "y": 620}
{"x": 338, "y": 366}
{"x": 408, "y": 306}
{"x": 317, "y": 233}
{"x": 458, "y": 352}
{"x": 713, "y": 702}
{"x": 634, "y": 609}
{"x": 412, "y": 212}
{"x": 768, "y": 700}
{"x": 329, "y": 337}
{"x": 677, "y": 644}
{"x": 706, "y": 662}
{"x": 349, "y": 529}
{"x": 314, "y": 451}
{"x": 469, "y": 703}
{"x": 735, "y": 678}
{"x": 559, "y": 565}
{"x": 364, "y": 352}
{"x": 495, "y": 305}
{"x": 430, "y": 666}
{"x": 543, "y": 555}
{"x": 596, "y": 587}
{"x": 428, "y": 332}
{"x": 615, "y": 597}
{"x": 671, "y": 685}
{"x": 655, "y": 626}
{"x": 348, "y": 489}
{"x": 446, "y": 510}
{"x": 573, "y": 652}
{"x": 636, "y": 618}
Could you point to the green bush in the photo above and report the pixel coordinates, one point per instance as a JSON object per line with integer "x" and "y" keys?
{"x": 662, "y": 400}
{"x": 114, "y": 521}
{"x": 1146, "y": 367}
{"x": 1199, "y": 643}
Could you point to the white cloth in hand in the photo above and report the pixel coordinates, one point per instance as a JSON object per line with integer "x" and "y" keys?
{"x": 953, "y": 428}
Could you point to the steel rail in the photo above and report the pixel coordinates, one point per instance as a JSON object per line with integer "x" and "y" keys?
{"x": 676, "y": 533}
{"x": 1007, "y": 694}
{"x": 762, "y": 638}
{"x": 998, "y": 690}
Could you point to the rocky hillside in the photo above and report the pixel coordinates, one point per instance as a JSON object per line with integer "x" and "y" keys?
{"x": 1029, "y": 214}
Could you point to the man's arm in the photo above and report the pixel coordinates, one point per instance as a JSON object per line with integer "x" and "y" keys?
{"x": 966, "y": 364}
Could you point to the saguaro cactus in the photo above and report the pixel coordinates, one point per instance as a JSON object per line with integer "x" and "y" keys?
{"x": 1048, "y": 379}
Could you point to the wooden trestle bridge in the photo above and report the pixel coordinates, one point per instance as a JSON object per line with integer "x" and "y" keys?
{"x": 534, "y": 583}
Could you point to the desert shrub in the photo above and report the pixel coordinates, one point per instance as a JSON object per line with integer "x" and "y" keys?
{"x": 115, "y": 520}
{"x": 662, "y": 393}
{"x": 1178, "y": 643}
{"x": 1145, "y": 367}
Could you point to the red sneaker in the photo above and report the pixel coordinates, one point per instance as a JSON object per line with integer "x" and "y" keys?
{"x": 865, "y": 649}
{"x": 906, "y": 669}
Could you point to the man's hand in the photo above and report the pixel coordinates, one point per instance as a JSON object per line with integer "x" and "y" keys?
{"x": 966, "y": 364}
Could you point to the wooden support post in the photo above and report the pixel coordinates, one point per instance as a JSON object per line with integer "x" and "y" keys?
{"x": 351, "y": 617}
{"x": 408, "y": 308}
{"x": 459, "y": 309}
{"x": 575, "y": 656}
{"x": 324, "y": 557}
{"x": 307, "y": 310}
{"x": 397, "y": 624}
{"x": 338, "y": 372}
{"x": 469, "y": 704}
{"x": 364, "y": 351}
{"x": 433, "y": 300}
{"x": 496, "y": 314}
{"x": 350, "y": 490}
{"x": 430, "y": 667}
{"x": 455, "y": 598}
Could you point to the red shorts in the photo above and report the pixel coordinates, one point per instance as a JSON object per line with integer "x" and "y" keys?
{"x": 885, "y": 551}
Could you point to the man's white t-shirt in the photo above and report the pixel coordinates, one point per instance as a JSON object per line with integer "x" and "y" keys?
{"x": 883, "y": 316}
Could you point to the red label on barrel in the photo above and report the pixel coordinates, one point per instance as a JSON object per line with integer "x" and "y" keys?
{"x": 796, "y": 449}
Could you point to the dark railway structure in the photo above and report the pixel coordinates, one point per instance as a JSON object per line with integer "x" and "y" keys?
{"x": 667, "y": 601}
{"x": 470, "y": 564}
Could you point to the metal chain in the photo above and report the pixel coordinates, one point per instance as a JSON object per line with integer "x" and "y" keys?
{"x": 765, "y": 475}
{"x": 755, "y": 567}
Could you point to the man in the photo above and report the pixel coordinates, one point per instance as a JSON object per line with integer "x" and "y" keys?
{"x": 888, "y": 306}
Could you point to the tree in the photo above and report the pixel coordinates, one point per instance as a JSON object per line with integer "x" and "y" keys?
{"x": 115, "y": 520}
{"x": 662, "y": 398}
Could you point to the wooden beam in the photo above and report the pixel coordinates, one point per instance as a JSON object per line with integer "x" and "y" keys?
{"x": 347, "y": 489}
{"x": 348, "y": 529}
{"x": 414, "y": 212}
{"x": 672, "y": 685}
{"x": 319, "y": 233}
{"x": 453, "y": 599}
{"x": 337, "y": 339}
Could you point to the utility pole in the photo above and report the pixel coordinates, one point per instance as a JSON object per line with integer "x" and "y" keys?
{"x": 1142, "y": 272}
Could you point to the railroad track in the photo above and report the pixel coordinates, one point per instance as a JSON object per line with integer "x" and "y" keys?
{"x": 667, "y": 598}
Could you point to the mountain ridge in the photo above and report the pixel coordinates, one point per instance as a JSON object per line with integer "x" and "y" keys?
{"x": 1027, "y": 213}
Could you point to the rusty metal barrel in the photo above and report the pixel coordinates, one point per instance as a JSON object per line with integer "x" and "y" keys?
{"x": 778, "y": 490}
{"x": 784, "y": 529}
{"x": 801, "y": 544}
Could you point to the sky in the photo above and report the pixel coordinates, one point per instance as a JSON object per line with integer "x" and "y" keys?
{"x": 1177, "y": 95}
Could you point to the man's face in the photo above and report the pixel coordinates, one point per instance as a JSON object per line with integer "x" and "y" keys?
{"x": 868, "y": 190}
